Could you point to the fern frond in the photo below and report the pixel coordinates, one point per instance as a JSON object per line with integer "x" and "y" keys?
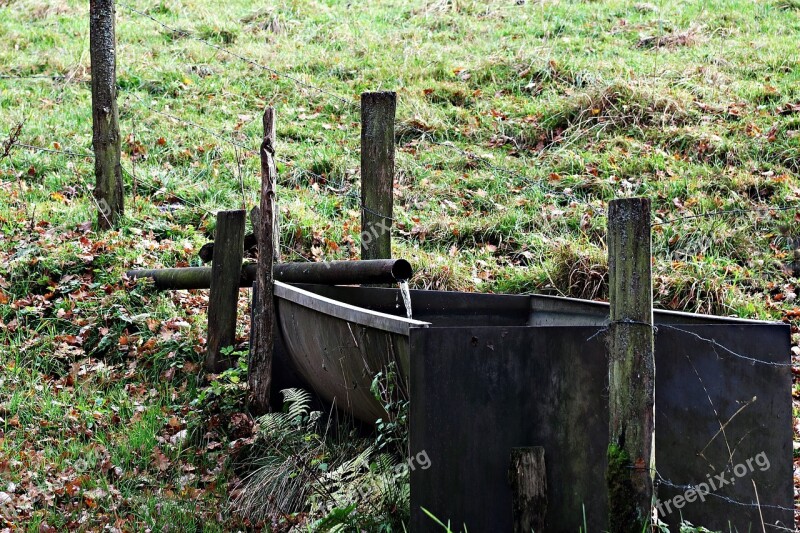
{"x": 298, "y": 402}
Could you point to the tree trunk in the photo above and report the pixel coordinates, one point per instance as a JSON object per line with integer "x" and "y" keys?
{"x": 105, "y": 116}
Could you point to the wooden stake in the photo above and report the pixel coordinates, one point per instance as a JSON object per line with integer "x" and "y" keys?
{"x": 226, "y": 269}
{"x": 631, "y": 462}
{"x": 105, "y": 116}
{"x": 262, "y": 337}
{"x": 528, "y": 479}
{"x": 377, "y": 173}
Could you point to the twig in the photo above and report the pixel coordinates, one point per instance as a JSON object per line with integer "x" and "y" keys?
{"x": 760, "y": 514}
{"x": 133, "y": 158}
{"x": 241, "y": 179}
{"x": 13, "y": 137}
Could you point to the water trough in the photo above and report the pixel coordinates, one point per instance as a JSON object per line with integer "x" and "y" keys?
{"x": 487, "y": 373}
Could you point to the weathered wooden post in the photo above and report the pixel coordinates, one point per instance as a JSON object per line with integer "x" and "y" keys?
{"x": 108, "y": 189}
{"x": 265, "y": 227}
{"x": 226, "y": 268}
{"x": 377, "y": 173}
{"x": 631, "y": 364}
{"x": 528, "y": 479}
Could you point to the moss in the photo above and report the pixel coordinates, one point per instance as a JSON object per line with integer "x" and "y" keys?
{"x": 622, "y": 515}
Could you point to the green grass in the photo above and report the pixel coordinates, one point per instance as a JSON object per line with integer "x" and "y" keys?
{"x": 567, "y": 105}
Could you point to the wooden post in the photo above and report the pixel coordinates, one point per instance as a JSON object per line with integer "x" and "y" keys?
{"x": 377, "y": 173}
{"x": 631, "y": 461}
{"x": 528, "y": 479}
{"x": 105, "y": 116}
{"x": 262, "y": 336}
{"x": 226, "y": 269}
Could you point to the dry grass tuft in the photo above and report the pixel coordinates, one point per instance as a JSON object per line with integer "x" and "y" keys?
{"x": 580, "y": 273}
{"x": 674, "y": 39}
{"x": 613, "y": 107}
{"x": 412, "y": 128}
{"x": 787, "y": 5}
{"x": 695, "y": 288}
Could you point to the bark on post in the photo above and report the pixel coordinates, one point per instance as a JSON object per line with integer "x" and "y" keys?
{"x": 262, "y": 337}
{"x": 226, "y": 270}
{"x": 105, "y": 116}
{"x": 377, "y": 173}
{"x": 631, "y": 367}
{"x": 528, "y": 479}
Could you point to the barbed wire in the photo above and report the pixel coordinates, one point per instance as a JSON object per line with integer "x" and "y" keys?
{"x": 33, "y": 77}
{"x": 252, "y": 149}
{"x": 663, "y": 481}
{"x": 472, "y": 156}
{"x": 352, "y": 103}
{"x": 68, "y": 153}
{"x": 193, "y": 124}
{"x": 713, "y": 342}
{"x": 722, "y": 212}
{"x": 242, "y": 58}
{"x": 716, "y": 344}
{"x": 425, "y": 135}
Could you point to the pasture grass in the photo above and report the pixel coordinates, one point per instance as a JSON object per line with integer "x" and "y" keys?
{"x": 517, "y": 123}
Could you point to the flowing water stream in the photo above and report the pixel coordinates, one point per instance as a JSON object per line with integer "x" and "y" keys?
{"x": 406, "y": 294}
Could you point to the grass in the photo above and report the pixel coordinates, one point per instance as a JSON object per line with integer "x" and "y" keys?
{"x": 517, "y": 124}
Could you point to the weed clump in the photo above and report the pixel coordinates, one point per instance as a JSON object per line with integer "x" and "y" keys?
{"x": 619, "y": 106}
{"x": 673, "y": 39}
{"x": 325, "y": 476}
{"x": 580, "y": 273}
{"x": 787, "y": 5}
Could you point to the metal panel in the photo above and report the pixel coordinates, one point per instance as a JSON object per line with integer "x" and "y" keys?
{"x": 478, "y": 392}
{"x": 701, "y": 388}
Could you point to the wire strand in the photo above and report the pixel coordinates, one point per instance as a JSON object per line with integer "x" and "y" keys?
{"x": 722, "y": 212}
{"x": 52, "y": 150}
{"x": 242, "y": 58}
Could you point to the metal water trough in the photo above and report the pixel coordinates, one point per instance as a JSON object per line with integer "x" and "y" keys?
{"x": 488, "y": 373}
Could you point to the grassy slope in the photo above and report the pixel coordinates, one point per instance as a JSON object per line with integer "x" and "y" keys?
{"x": 571, "y": 103}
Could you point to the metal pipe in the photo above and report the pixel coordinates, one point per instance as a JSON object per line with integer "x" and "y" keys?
{"x": 371, "y": 272}
{"x": 345, "y": 272}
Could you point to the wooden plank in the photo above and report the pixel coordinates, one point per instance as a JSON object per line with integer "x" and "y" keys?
{"x": 108, "y": 190}
{"x": 631, "y": 366}
{"x": 377, "y": 173}
{"x": 528, "y": 480}
{"x": 262, "y": 336}
{"x": 225, "y": 273}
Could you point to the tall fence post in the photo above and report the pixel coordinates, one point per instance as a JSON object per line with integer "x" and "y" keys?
{"x": 226, "y": 269}
{"x": 105, "y": 115}
{"x": 631, "y": 366}
{"x": 262, "y": 330}
{"x": 377, "y": 173}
